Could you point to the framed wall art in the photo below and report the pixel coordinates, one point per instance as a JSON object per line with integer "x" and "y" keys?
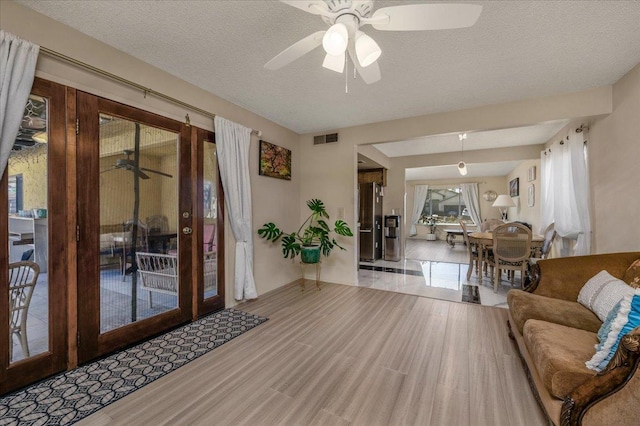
{"x": 275, "y": 161}
{"x": 532, "y": 174}
{"x": 531, "y": 195}
{"x": 514, "y": 187}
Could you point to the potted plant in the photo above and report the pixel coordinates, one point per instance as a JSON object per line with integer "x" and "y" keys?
{"x": 431, "y": 223}
{"x": 312, "y": 238}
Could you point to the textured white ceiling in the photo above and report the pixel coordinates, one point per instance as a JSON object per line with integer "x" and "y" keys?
{"x": 516, "y": 50}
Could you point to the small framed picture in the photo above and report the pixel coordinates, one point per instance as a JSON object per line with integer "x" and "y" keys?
{"x": 531, "y": 195}
{"x": 532, "y": 174}
{"x": 275, "y": 161}
{"x": 514, "y": 187}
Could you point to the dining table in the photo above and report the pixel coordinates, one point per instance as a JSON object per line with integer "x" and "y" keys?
{"x": 485, "y": 241}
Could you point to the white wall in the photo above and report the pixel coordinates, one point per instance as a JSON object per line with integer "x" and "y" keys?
{"x": 273, "y": 199}
{"x": 614, "y": 161}
{"x": 522, "y": 212}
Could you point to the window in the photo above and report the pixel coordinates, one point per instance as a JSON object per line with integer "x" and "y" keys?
{"x": 445, "y": 205}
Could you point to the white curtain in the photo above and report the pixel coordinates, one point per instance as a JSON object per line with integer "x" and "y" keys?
{"x": 17, "y": 68}
{"x": 232, "y": 145}
{"x": 419, "y": 197}
{"x": 471, "y": 200}
{"x": 565, "y": 192}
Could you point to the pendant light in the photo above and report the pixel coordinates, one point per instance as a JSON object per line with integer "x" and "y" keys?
{"x": 462, "y": 166}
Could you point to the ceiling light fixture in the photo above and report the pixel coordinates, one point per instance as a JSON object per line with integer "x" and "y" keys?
{"x": 462, "y": 166}
{"x": 335, "y": 39}
{"x": 367, "y": 50}
{"x": 503, "y": 202}
{"x": 334, "y": 62}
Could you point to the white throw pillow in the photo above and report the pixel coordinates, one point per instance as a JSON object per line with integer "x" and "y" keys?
{"x": 602, "y": 292}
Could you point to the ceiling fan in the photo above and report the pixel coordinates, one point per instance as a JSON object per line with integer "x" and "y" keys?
{"x": 344, "y": 36}
{"x": 129, "y": 164}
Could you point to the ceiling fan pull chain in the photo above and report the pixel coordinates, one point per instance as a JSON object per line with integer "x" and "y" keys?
{"x": 346, "y": 74}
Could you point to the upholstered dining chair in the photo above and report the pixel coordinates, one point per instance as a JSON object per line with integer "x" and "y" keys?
{"x": 511, "y": 251}
{"x": 23, "y": 276}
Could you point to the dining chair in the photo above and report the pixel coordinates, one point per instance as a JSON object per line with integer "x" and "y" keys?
{"x": 511, "y": 251}
{"x": 474, "y": 259}
{"x": 549, "y": 235}
{"x": 23, "y": 276}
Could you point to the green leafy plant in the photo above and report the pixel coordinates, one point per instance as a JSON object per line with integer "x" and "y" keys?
{"x": 315, "y": 231}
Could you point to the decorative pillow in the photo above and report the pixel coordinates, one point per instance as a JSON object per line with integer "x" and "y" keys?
{"x": 602, "y": 292}
{"x": 632, "y": 276}
{"x": 626, "y": 319}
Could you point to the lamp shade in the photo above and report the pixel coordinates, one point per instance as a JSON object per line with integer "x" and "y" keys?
{"x": 367, "y": 50}
{"x": 334, "y": 63}
{"x": 462, "y": 168}
{"x": 503, "y": 200}
{"x": 335, "y": 39}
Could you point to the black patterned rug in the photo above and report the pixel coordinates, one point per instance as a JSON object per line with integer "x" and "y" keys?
{"x": 69, "y": 397}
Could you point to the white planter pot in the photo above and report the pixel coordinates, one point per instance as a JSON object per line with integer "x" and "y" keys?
{"x": 431, "y": 237}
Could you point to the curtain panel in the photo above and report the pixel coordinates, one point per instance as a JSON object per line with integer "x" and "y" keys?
{"x": 472, "y": 201}
{"x": 419, "y": 197}
{"x": 232, "y": 145}
{"x": 565, "y": 192}
{"x": 17, "y": 69}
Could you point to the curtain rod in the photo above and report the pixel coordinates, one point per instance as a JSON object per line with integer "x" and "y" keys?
{"x": 133, "y": 84}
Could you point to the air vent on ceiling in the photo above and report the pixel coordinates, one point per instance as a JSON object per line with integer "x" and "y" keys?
{"x": 328, "y": 138}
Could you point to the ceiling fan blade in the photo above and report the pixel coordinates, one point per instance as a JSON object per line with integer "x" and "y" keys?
{"x": 334, "y": 63}
{"x": 369, "y": 74}
{"x": 295, "y": 51}
{"x": 156, "y": 172}
{"x": 417, "y": 17}
{"x": 110, "y": 169}
{"x": 315, "y": 7}
{"x": 142, "y": 175}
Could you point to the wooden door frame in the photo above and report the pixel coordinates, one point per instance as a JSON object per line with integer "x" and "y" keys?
{"x": 91, "y": 342}
{"x": 201, "y": 306}
{"x": 23, "y": 372}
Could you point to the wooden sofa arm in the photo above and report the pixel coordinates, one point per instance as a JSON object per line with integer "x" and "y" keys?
{"x": 622, "y": 367}
{"x": 564, "y": 277}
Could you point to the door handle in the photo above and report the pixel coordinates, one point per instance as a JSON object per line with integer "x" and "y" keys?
{"x": 187, "y": 230}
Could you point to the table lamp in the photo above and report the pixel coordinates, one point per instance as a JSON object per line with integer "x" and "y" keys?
{"x": 503, "y": 202}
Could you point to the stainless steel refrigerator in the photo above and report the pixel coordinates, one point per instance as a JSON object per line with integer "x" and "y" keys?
{"x": 370, "y": 221}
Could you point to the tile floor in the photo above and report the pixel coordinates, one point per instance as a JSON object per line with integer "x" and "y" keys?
{"x": 436, "y": 279}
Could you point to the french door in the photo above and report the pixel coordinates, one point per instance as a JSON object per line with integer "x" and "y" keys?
{"x": 33, "y": 230}
{"x": 135, "y": 224}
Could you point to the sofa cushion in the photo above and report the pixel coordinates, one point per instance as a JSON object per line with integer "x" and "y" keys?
{"x": 559, "y": 354}
{"x": 525, "y": 306}
{"x": 632, "y": 275}
{"x": 602, "y": 292}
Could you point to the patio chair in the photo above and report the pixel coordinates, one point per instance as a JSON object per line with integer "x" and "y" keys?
{"x": 511, "y": 250}
{"x": 23, "y": 276}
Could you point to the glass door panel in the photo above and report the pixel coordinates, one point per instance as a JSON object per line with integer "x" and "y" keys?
{"x": 211, "y": 226}
{"x": 28, "y": 230}
{"x": 138, "y": 221}
{"x": 32, "y": 272}
{"x": 134, "y": 195}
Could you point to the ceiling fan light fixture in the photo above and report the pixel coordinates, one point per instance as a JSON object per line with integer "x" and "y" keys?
{"x": 335, "y": 40}
{"x": 367, "y": 49}
{"x": 334, "y": 62}
{"x": 462, "y": 168}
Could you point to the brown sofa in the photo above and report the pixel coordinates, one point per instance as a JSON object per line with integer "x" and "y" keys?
{"x": 556, "y": 336}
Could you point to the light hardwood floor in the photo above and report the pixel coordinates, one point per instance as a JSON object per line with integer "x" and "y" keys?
{"x": 346, "y": 355}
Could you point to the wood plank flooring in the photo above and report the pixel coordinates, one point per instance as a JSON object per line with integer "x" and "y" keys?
{"x": 346, "y": 355}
